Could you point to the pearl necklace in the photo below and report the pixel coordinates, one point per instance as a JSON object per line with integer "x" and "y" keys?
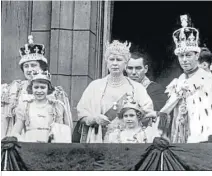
{"x": 116, "y": 81}
{"x": 123, "y": 78}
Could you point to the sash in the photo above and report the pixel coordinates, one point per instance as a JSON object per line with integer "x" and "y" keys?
{"x": 81, "y": 130}
{"x": 114, "y": 111}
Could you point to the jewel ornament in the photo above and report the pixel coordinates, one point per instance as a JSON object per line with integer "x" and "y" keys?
{"x": 186, "y": 38}
{"x": 119, "y": 48}
{"x": 32, "y": 52}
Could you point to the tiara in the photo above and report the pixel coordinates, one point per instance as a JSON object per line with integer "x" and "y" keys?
{"x": 129, "y": 102}
{"x": 186, "y": 38}
{"x": 118, "y": 47}
{"x": 32, "y": 51}
{"x": 45, "y": 75}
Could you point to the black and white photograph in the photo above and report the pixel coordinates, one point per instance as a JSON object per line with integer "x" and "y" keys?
{"x": 106, "y": 85}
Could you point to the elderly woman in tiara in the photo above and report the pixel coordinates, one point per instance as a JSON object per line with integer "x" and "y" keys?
{"x": 132, "y": 130}
{"x": 102, "y": 100}
{"x": 37, "y": 115}
{"x": 32, "y": 59}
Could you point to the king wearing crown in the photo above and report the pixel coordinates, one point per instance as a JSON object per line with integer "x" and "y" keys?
{"x": 13, "y": 94}
{"x": 190, "y": 95}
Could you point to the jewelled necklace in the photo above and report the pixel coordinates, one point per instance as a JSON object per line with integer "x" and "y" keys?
{"x": 115, "y": 104}
{"x": 116, "y": 81}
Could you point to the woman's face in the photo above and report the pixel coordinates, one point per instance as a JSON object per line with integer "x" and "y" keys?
{"x": 29, "y": 67}
{"x": 39, "y": 90}
{"x": 116, "y": 63}
{"x": 130, "y": 118}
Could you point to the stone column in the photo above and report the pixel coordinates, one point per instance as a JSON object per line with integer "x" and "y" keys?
{"x": 41, "y": 24}
{"x": 73, "y": 47}
{"x": 15, "y": 21}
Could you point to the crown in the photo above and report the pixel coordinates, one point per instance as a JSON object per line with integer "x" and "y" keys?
{"x": 129, "y": 102}
{"x": 186, "y": 38}
{"x": 32, "y": 52}
{"x": 119, "y": 48}
{"x": 41, "y": 75}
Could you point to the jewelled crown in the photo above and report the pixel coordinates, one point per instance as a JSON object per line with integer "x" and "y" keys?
{"x": 129, "y": 102}
{"x": 32, "y": 52}
{"x": 41, "y": 75}
{"x": 118, "y": 48}
{"x": 186, "y": 38}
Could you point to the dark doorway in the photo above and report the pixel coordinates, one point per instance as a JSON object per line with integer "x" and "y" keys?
{"x": 151, "y": 24}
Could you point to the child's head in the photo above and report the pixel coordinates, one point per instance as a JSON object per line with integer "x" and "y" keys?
{"x": 131, "y": 113}
{"x": 131, "y": 117}
{"x": 40, "y": 86}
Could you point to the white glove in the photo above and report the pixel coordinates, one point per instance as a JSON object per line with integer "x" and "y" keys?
{"x": 102, "y": 120}
{"x": 89, "y": 120}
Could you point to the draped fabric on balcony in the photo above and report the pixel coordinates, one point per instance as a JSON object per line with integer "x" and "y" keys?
{"x": 10, "y": 157}
{"x": 161, "y": 156}
{"x": 157, "y": 156}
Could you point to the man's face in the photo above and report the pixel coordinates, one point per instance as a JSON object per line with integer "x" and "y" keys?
{"x": 29, "y": 67}
{"x": 188, "y": 60}
{"x": 116, "y": 63}
{"x": 136, "y": 69}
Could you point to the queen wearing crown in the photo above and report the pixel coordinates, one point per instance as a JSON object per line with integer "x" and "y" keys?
{"x": 37, "y": 115}
{"x": 13, "y": 94}
{"x": 102, "y": 100}
{"x": 190, "y": 95}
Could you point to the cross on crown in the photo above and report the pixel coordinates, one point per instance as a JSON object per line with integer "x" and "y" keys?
{"x": 186, "y": 38}
{"x": 32, "y": 51}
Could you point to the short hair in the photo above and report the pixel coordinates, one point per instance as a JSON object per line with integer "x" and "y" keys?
{"x": 43, "y": 65}
{"x": 50, "y": 87}
{"x": 139, "y": 114}
{"x": 138, "y": 55}
{"x": 205, "y": 56}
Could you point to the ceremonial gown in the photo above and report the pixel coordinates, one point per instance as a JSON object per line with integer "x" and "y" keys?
{"x": 14, "y": 93}
{"x": 38, "y": 120}
{"x": 190, "y": 100}
{"x": 99, "y": 97}
{"x": 123, "y": 136}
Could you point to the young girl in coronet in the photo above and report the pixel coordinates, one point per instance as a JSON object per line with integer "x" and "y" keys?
{"x": 38, "y": 114}
{"x": 32, "y": 60}
{"x": 131, "y": 131}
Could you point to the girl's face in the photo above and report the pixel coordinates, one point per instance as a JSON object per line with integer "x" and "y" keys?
{"x": 39, "y": 90}
{"x": 130, "y": 118}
